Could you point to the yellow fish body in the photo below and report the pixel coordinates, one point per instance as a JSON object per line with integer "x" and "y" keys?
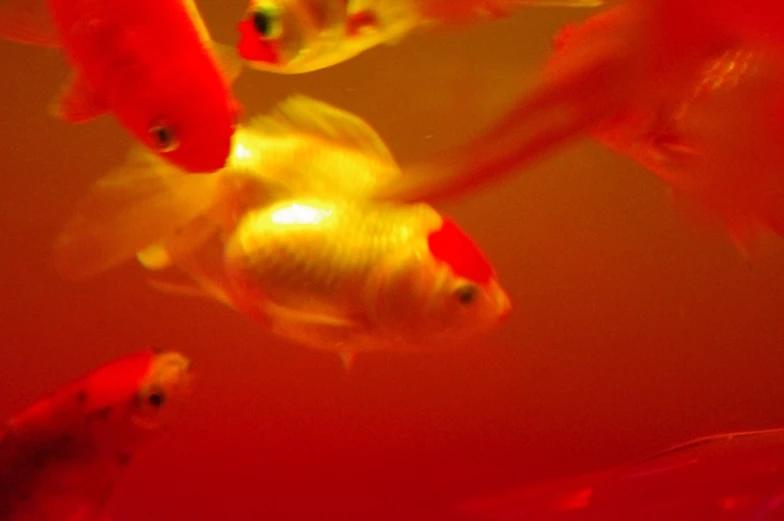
{"x": 290, "y": 235}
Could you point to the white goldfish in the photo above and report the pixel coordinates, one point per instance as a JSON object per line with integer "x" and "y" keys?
{"x": 289, "y": 234}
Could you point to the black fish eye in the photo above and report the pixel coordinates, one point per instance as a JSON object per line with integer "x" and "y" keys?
{"x": 466, "y": 293}
{"x": 164, "y": 138}
{"x": 266, "y": 21}
{"x": 156, "y": 399}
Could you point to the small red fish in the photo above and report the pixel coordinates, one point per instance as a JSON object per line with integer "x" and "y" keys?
{"x": 60, "y": 458}
{"x": 727, "y": 477}
{"x": 149, "y": 63}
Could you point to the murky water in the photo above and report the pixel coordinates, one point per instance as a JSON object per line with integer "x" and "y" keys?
{"x": 632, "y": 327}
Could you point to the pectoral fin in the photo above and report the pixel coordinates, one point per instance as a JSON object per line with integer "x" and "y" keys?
{"x": 77, "y": 102}
{"x": 348, "y": 359}
{"x": 28, "y": 21}
{"x": 228, "y": 61}
{"x": 293, "y": 316}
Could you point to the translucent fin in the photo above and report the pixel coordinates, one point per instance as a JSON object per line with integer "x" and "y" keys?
{"x": 28, "y": 21}
{"x": 139, "y": 204}
{"x": 348, "y": 359}
{"x": 178, "y": 245}
{"x": 229, "y": 62}
{"x": 555, "y": 113}
{"x": 292, "y": 316}
{"x": 303, "y": 114}
{"x": 77, "y": 102}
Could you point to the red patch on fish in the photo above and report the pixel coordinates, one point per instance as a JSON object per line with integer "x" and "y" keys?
{"x": 451, "y": 245}
{"x": 360, "y": 21}
{"x": 254, "y": 48}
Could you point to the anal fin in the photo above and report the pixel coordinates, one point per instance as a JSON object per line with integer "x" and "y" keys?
{"x": 348, "y": 359}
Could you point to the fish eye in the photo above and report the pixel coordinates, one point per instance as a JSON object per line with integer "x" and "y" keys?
{"x": 164, "y": 138}
{"x": 266, "y": 20}
{"x": 466, "y": 293}
{"x": 156, "y": 399}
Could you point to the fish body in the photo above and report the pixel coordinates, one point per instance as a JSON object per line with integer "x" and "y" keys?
{"x": 150, "y": 63}
{"x": 297, "y": 36}
{"x": 60, "y": 458}
{"x": 341, "y": 273}
{"x": 289, "y": 234}
{"x": 728, "y": 477}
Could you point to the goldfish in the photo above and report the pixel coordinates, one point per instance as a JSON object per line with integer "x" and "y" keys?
{"x": 151, "y": 64}
{"x": 61, "y": 457}
{"x": 733, "y": 476}
{"x": 289, "y": 234}
{"x": 298, "y": 36}
{"x": 694, "y": 102}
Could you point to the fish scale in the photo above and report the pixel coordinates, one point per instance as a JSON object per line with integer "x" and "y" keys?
{"x": 327, "y": 260}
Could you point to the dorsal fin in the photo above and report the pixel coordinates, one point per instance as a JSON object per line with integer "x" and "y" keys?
{"x": 301, "y": 113}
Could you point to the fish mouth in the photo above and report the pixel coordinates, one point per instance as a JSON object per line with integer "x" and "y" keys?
{"x": 503, "y": 303}
{"x": 253, "y": 48}
{"x": 171, "y": 379}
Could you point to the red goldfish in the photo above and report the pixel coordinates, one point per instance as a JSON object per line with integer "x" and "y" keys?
{"x": 149, "y": 63}
{"x": 60, "y": 459}
{"x": 289, "y": 234}
{"x": 296, "y": 36}
{"x": 737, "y": 476}
{"x": 694, "y": 102}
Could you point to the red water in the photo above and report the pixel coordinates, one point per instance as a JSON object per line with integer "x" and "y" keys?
{"x": 632, "y": 328}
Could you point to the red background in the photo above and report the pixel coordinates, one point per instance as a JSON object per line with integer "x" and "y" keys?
{"x": 632, "y": 327}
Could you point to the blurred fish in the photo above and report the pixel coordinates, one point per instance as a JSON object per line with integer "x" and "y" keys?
{"x": 289, "y": 234}
{"x": 728, "y": 477}
{"x": 697, "y": 103}
{"x": 151, "y": 64}
{"x": 60, "y": 459}
{"x": 296, "y": 36}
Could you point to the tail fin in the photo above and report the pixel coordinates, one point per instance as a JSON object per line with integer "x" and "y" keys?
{"x": 133, "y": 207}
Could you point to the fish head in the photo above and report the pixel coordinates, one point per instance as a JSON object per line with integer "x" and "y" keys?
{"x": 184, "y": 112}
{"x": 164, "y": 387}
{"x": 441, "y": 289}
{"x": 466, "y": 297}
{"x": 292, "y": 36}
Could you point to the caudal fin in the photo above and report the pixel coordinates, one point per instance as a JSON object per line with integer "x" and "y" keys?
{"x": 141, "y": 203}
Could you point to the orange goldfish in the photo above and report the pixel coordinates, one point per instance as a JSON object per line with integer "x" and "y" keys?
{"x": 289, "y": 234}
{"x": 691, "y": 101}
{"x": 60, "y": 459}
{"x": 296, "y": 36}
{"x": 736, "y": 476}
{"x": 151, "y": 64}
